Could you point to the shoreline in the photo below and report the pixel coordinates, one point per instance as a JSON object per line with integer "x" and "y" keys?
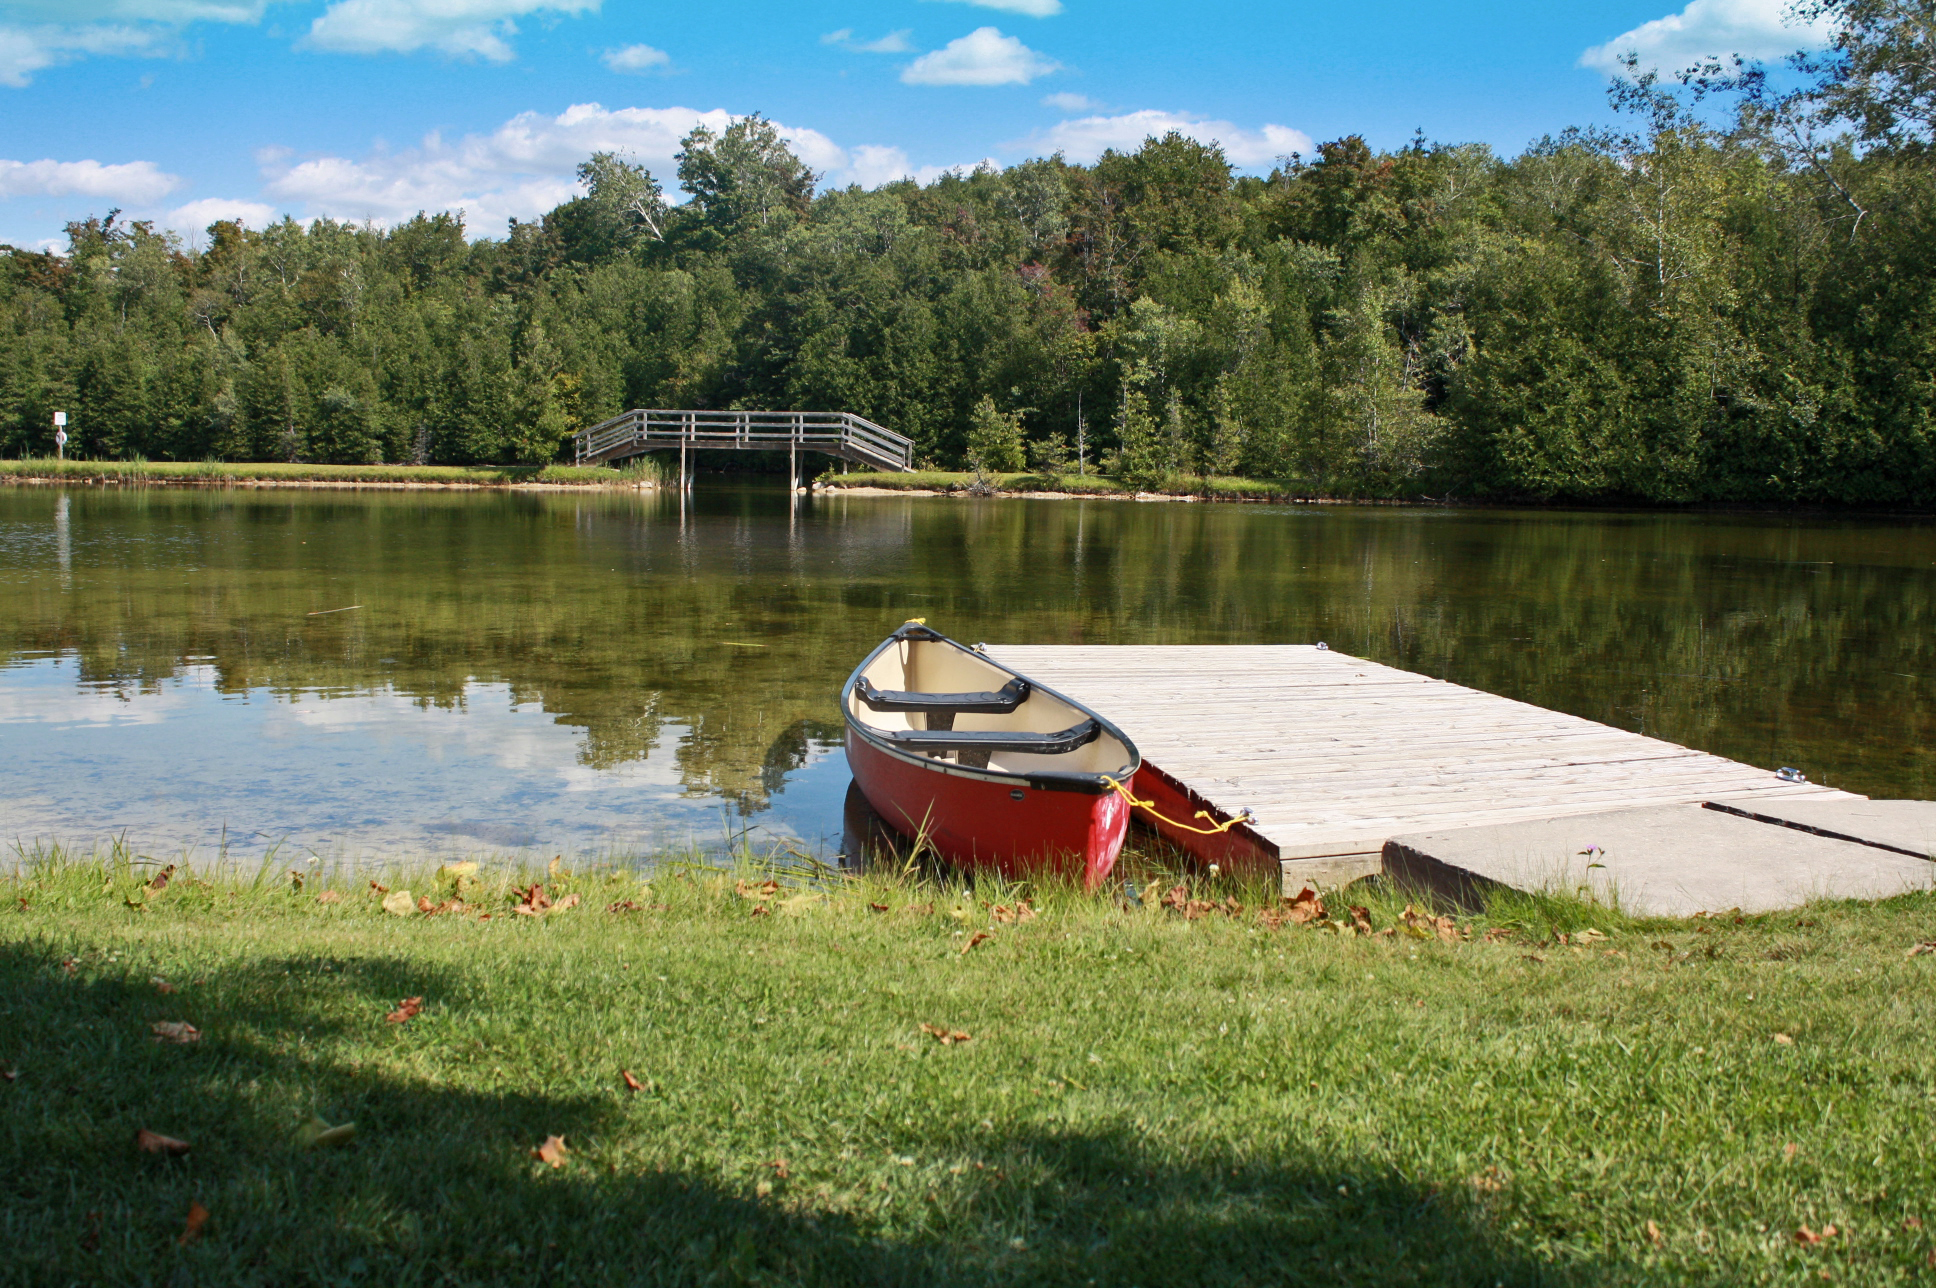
{"x": 262, "y": 474}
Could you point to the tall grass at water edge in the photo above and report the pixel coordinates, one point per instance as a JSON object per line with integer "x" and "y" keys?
{"x": 894, "y": 1078}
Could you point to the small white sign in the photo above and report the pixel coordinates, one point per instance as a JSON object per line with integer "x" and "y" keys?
{"x": 60, "y": 418}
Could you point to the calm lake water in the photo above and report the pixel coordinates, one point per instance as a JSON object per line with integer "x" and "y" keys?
{"x": 363, "y": 674}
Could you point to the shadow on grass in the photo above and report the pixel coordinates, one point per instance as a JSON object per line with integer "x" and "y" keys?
{"x": 441, "y": 1188}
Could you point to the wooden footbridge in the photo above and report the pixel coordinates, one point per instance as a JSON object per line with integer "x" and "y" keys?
{"x": 838, "y": 434}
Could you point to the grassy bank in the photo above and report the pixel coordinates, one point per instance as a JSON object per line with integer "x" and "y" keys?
{"x": 230, "y": 473}
{"x": 1207, "y": 489}
{"x": 1143, "y": 1095}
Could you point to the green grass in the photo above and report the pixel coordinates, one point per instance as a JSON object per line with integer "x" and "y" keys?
{"x": 1144, "y": 1098}
{"x": 222, "y": 472}
{"x": 1216, "y": 488}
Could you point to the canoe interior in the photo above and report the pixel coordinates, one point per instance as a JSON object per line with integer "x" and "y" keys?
{"x": 942, "y": 666}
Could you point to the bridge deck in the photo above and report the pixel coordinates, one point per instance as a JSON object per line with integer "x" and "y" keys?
{"x": 839, "y": 434}
{"x": 1337, "y": 755}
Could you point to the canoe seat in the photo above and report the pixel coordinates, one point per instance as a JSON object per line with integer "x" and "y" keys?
{"x": 1001, "y": 702}
{"x": 980, "y": 742}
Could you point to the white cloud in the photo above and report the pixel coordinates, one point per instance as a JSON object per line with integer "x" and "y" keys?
{"x": 982, "y": 57}
{"x": 26, "y": 50}
{"x": 38, "y": 34}
{"x": 1089, "y": 137}
{"x": 1028, "y": 8}
{"x": 1071, "y": 103}
{"x": 636, "y": 59}
{"x": 874, "y": 165}
{"x": 136, "y": 182}
{"x": 459, "y": 28}
{"x": 524, "y": 168}
{"x": 196, "y": 216}
{"x": 1755, "y": 29}
{"x": 894, "y": 42}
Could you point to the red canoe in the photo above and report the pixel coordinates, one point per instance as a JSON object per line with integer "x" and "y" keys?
{"x": 990, "y": 769}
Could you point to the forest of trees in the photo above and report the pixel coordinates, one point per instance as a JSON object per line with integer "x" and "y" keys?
{"x": 1732, "y": 299}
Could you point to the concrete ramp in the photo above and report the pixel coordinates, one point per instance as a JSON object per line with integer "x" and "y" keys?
{"x": 1667, "y": 861}
{"x": 1905, "y": 827}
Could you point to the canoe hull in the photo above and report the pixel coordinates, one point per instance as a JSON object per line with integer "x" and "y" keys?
{"x": 991, "y": 824}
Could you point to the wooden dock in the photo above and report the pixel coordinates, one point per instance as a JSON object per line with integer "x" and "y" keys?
{"x": 1336, "y": 755}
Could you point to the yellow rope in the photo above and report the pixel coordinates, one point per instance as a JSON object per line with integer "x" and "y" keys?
{"x": 1150, "y": 808}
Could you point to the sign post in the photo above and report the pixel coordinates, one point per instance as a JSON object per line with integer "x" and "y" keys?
{"x": 60, "y": 435}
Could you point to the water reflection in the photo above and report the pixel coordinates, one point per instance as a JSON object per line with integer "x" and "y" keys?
{"x": 502, "y": 671}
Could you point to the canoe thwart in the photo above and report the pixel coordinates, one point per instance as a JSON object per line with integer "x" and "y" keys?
{"x": 1003, "y": 701}
{"x": 990, "y": 740}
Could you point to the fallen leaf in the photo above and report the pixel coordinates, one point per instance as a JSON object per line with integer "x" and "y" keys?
{"x": 1654, "y": 1235}
{"x": 1360, "y": 920}
{"x": 878, "y": 907}
{"x": 24, "y": 905}
{"x": 161, "y": 880}
{"x": 569, "y": 901}
{"x": 179, "y": 1031}
{"x": 920, "y": 909}
{"x": 407, "y": 1010}
{"x": 197, "y": 1218}
{"x": 161, "y": 985}
{"x": 424, "y": 904}
{"x": 399, "y": 904}
{"x": 631, "y": 1082}
{"x": 553, "y": 1151}
{"x": 764, "y": 890}
{"x": 759, "y": 911}
{"x": 150, "y": 1142}
{"x": 1912, "y": 1223}
{"x": 1196, "y": 909}
{"x": 1532, "y": 957}
{"x": 557, "y": 861}
{"x": 295, "y": 880}
{"x": 1490, "y": 1181}
{"x": 1923, "y": 949}
{"x": 318, "y": 1134}
{"x": 1176, "y": 897}
{"x": 780, "y": 1172}
{"x": 1788, "y": 1150}
{"x": 625, "y": 905}
{"x": 1307, "y": 906}
{"x": 1232, "y": 907}
{"x": 978, "y": 937}
{"x": 1784, "y": 1040}
{"x": 330, "y": 896}
{"x": 1808, "y": 1236}
{"x": 1002, "y": 914}
{"x": 945, "y": 1036}
{"x": 457, "y": 871}
{"x": 379, "y": 889}
{"x": 532, "y": 902}
{"x": 1496, "y": 933}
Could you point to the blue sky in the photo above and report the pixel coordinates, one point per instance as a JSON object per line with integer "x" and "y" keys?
{"x": 184, "y": 111}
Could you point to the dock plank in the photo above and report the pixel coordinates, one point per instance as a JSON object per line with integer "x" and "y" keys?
{"x": 1336, "y": 754}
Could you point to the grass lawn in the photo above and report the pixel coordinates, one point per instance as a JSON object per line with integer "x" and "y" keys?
{"x": 220, "y": 472}
{"x": 1144, "y": 1096}
{"x": 1216, "y": 488}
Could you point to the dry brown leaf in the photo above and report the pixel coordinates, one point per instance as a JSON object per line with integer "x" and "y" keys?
{"x": 551, "y": 869}
{"x": 878, "y": 907}
{"x": 1808, "y": 1236}
{"x": 1784, "y": 1040}
{"x": 759, "y": 911}
{"x": 980, "y": 936}
{"x": 1532, "y": 957}
{"x": 1790, "y": 1149}
{"x": 424, "y": 904}
{"x": 1360, "y": 920}
{"x": 407, "y": 1010}
{"x": 376, "y": 888}
{"x": 161, "y": 880}
{"x": 1912, "y": 1223}
{"x": 780, "y": 1170}
{"x": 764, "y": 890}
{"x": 1490, "y": 1181}
{"x": 1923, "y": 949}
{"x": 553, "y": 1151}
{"x": 532, "y": 902}
{"x": 945, "y": 1036}
{"x": 1176, "y": 897}
{"x": 178, "y": 1031}
{"x": 162, "y": 985}
{"x": 1232, "y": 907}
{"x": 1654, "y": 1235}
{"x": 1305, "y": 907}
{"x": 330, "y": 896}
{"x": 192, "y": 1230}
{"x": 1496, "y": 933}
{"x": 921, "y": 909}
{"x": 24, "y": 905}
{"x": 1002, "y": 914}
{"x": 625, "y": 905}
{"x": 152, "y": 1142}
{"x": 1450, "y": 931}
{"x": 399, "y": 904}
{"x": 569, "y": 901}
{"x": 1195, "y": 909}
{"x": 631, "y": 1082}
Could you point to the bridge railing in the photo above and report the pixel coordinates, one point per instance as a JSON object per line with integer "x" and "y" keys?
{"x": 836, "y": 433}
